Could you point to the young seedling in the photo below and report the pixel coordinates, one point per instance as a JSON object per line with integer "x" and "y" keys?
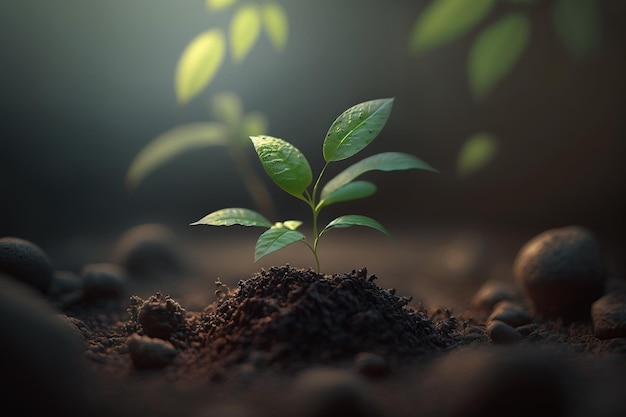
{"x": 350, "y": 133}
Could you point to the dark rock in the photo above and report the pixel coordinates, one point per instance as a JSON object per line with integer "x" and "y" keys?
{"x": 103, "y": 280}
{"x": 325, "y": 392}
{"x": 149, "y": 251}
{"x": 561, "y": 272}
{"x": 371, "y": 365}
{"x": 41, "y": 357}
{"x": 492, "y": 292}
{"x": 608, "y": 314}
{"x": 501, "y": 333}
{"x": 511, "y": 313}
{"x": 26, "y": 262}
{"x": 149, "y": 353}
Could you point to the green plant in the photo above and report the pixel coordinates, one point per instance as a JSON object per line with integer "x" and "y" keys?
{"x": 230, "y": 131}
{"x": 204, "y": 54}
{"x": 350, "y": 133}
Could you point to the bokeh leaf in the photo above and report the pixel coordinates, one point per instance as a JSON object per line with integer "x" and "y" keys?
{"x": 254, "y": 124}
{"x": 351, "y": 191}
{"x": 578, "y": 25}
{"x": 496, "y": 50}
{"x": 275, "y": 239}
{"x": 284, "y": 163}
{"x": 445, "y": 20}
{"x": 219, "y": 4}
{"x": 199, "y": 63}
{"x": 386, "y": 161}
{"x": 171, "y": 144}
{"x": 356, "y": 128}
{"x": 355, "y": 220}
{"x": 476, "y": 153}
{"x": 234, "y": 216}
{"x": 276, "y": 24}
{"x": 227, "y": 108}
{"x": 245, "y": 28}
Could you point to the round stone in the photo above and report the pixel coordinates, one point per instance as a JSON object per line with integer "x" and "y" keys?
{"x": 149, "y": 353}
{"x": 26, "y": 262}
{"x": 561, "y": 272}
{"x": 103, "y": 280}
{"x": 148, "y": 251}
{"x": 608, "y": 314}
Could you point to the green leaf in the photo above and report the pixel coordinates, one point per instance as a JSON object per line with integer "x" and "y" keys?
{"x": 284, "y": 163}
{"x": 199, "y": 63}
{"x": 276, "y": 24}
{"x": 386, "y": 161}
{"x": 444, "y": 20}
{"x": 275, "y": 239}
{"x": 254, "y": 124}
{"x": 289, "y": 224}
{"x": 496, "y": 50}
{"x": 578, "y": 25}
{"x": 227, "y": 108}
{"x": 356, "y": 128}
{"x": 232, "y": 216}
{"x": 171, "y": 144}
{"x": 351, "y": 191}
{"x": 219, "y": 4}
{"x": 476, "y": 152}
{"x": 522, "y": 1}
{"x": 244, "y": 31}
{"x": 355, "y": 220}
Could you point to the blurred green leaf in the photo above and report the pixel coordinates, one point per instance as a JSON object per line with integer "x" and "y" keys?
{"x": 444, "y": 20}
{"x": 354, "y": 220}
{"x": 254, "y": 124}
{"x": 476, "y": 153}
{"x": 172, "y": 143}
{"x": 219, "y": 4}
{"x": 351, "y": 191}
{"x": 284, "y": 163}
{"x": 245, "y": 28}
{"x": 275, "y": 239}
{"x": 276, "y": 24}
{"x": 227, "y": 108}
{"x": 496, "y": 50}
{"x": 234, "y": 216}
{"x": 522, "y": 1}
{"x": 355, "y": 128}
{"x": 386, "y": 161}
{"x": 289, "y": 224}
{"x": 199, "y": 63}
{"x": 578, "y": 25}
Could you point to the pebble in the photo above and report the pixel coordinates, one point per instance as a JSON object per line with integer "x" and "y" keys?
{"x": 561, "y": 272}
{"x": 41, "y": 357}
{"x": 608, "y": 315}
{"x": 102, "y": 280}
{"x": 148, "y": 251}
{"x": 371, "y": 365}
{"x": 494, "y": 291}
{"x": 26, "y": 262}
{"x": 329, "y": 392}
{"x": 511, "y": 313}
{"x": 149, "y": 353}
{"x": 501, "y": 333}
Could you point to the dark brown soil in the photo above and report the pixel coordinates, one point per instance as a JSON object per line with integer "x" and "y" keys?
{"x": 288, "y": 341}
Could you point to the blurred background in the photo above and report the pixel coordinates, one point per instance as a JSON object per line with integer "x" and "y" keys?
{"x": 85, "y": 85}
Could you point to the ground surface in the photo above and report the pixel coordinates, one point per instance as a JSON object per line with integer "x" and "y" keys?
{"x": 385, "y": 330}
